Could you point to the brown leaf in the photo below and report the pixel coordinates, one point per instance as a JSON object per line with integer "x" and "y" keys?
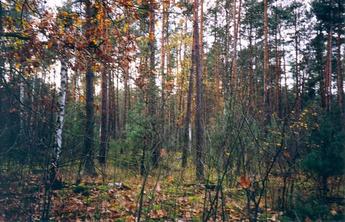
{"x": 130, "y": 219}
{"x": 170, "y": 179}
{"x": 156, "y": 214}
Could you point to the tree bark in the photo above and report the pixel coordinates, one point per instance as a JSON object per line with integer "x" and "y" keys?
{"x": 126, "y": 99}
{"x": 251, "y": 90}
{"x": 89, "y": 87}
{"x": 297, "y": 72}
{"x": 104, "y": 118}
{"x": 59, "y": 122}
{"x": 199, "y": 133}
{"x": 152, "y": 85}
{"x": 266, "y": 61}
{"x": 237, "y": 20}
{"x": 187, "y": 121}
{"x": 277, "y": 85}
{"x": 340, "y": 78}
{"x": 164, "y": 41}
{"x": 328, "y": 71}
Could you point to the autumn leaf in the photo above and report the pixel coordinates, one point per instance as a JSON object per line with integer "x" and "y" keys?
{"x": 157, "y": 214}
{"x": 245, "y": 182}
{"x": 130, "y": 219}
{"x": 125, "y": 27}
{"x": 170, "y": 179}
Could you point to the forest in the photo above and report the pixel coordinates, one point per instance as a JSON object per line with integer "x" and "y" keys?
{"x": 172, "y": 110}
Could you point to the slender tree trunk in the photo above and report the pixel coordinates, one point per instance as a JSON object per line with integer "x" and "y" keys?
{"x": 225, "y": 51}
{"x": 90, "y": 123}
{"x": 152, "y": 85}
{"x": 126, "y": 93}
{"x": 59, "y": 122}
{"x": 117, "y": 109}
{"x": 199, "y": 133}
{"x": 237, "y": 20}
{"x": 277, "y": 93}
{"x": 164, "y": 39}
{"x": 111, "y": 103}
{"x": 251, "y": 92}
{"x": 104, "y": 118}
{"x": 328, "y": 71}
{"x": 21, "y": 105}
{"x": 297, "y": 72}
{"x": 340, "y": 74}
{"x": 187, "y": 121}
{"x": 266, "y": 61}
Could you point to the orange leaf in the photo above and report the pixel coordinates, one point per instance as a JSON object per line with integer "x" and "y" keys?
{"x": 130, "y": 219}
{"x": 245, "y": 182}
{"x": 170, "y": 179}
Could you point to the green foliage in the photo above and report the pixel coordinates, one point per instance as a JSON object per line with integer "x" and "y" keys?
{"x": 29, "y": 144}
{"x": 82, "y": 189}
{"x": 137, "y": 127}
{"x": 326, "y": 156}
{"x": 130, "y": 150}
{"x": 312, "y": 208}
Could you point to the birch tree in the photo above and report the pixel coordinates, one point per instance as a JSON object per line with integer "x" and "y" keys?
{"x": 61, "y": 104}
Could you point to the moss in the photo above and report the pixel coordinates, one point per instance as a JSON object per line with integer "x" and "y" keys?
{"x": 82, "y": 189}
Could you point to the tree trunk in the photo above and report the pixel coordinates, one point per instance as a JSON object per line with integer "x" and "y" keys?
{"x": 126, "y": 94}
{"x": 277, "y": 87}
{"x": 89, "y": 88}
{"x": 59, "y": 122}
{"x": 164, "y": 39}
{"x": 251, "y": 90}
{"x": 237, "y": 20}
{"x": 189, "y": 107}
{"x": 199, "y": 133}
{"x": 111, "y": 103}
{"x": 297, "y": 72}
{"x": 152, "y": 85}
{"x": 117, "y": 109}
{"x": 104, "y": 118}
{"x": 266, "y": 61}
{"x": 328, "y": 71}
{"x": 340, "y": 84}
{"x": 21, "y": 105}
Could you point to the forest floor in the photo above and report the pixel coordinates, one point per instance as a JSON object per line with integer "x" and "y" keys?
{"x": 167, "y": 198}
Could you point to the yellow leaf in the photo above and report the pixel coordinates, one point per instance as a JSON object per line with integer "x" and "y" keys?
{"x": 18, "y": 7}
{"x": 125, "y": 27}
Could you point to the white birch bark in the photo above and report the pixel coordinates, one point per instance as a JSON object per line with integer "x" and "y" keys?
{"x": 21, "y": 105}
{"x": 60, "y": 115}
{"x": 190, "y": 137}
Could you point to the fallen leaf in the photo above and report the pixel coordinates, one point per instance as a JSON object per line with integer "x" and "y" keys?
{"x": 130, "y": 219}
